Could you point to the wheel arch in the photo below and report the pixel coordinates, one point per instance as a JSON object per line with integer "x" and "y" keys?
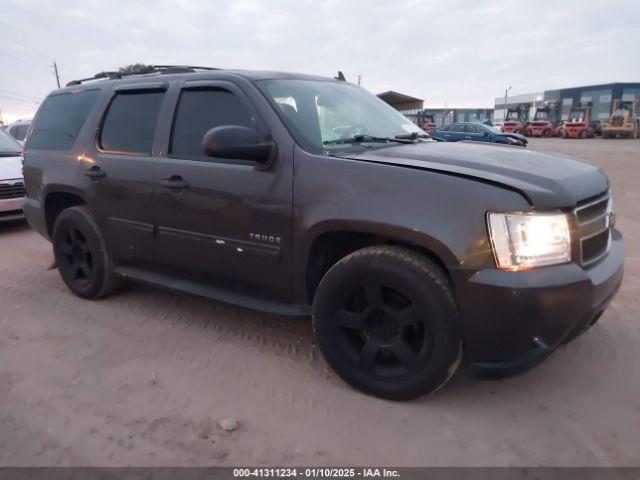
{"x": 56, "y": 200}
{"x": 329, "y": 242}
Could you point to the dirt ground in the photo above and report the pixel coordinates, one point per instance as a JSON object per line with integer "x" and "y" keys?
{"x": 144, "y": 377}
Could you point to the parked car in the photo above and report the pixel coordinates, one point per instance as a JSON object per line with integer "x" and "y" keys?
{"x": 407, "y": 253}
{"x": 477, "y": 132}
{"x": 19, "y": 129}
{"x": 11, "y": 182}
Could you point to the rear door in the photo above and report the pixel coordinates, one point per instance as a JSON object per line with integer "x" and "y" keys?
{"x": 121, "y": 172}
{"x": 225, "y": 221}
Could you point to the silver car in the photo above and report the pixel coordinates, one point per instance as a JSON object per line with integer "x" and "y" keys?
{"x": 19, "y": 129}
{"x": 11, "y": 181}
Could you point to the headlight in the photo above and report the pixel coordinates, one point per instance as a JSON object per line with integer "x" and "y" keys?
{"x": 526, "y": 240}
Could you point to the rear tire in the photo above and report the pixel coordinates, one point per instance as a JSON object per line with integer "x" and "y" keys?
{"x": 387, "y": 323}
{"x": 81, "y": 255}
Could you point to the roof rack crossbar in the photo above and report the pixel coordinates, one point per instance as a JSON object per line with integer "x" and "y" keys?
{"x": 147, "y": 69}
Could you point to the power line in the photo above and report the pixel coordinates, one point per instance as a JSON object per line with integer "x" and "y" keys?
{"x": 15, "y": 99}
{"x": 16, "y": 94}
{"x": 23, "y": 47}
{"x": 27, "y": 47}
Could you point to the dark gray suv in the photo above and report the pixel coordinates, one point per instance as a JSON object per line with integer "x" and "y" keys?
{"x": 301, "y": 195}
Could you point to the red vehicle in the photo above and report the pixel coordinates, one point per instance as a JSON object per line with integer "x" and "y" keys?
{"x": 545, "y": 122}
{"x": 516, "y": 119}
{"x": 578, "y": 125}
{"x": 429, "y": 124}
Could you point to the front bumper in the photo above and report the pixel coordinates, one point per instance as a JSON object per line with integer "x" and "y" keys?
{"x": 11, "y": 209}
{"x": 513, "y": 320}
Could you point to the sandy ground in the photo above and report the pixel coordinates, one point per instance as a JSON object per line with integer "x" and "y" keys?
{"x": 144, "y": 377}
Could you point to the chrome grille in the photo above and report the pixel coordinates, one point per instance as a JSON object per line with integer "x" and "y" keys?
{"x": 11, "y": 189}
{"x": 593, "y": 229}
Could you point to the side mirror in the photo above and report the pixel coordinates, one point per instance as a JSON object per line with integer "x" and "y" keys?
{"x": 236, "y": 142}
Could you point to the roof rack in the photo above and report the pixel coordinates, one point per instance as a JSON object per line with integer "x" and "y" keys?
{"x": 147, "y": 69}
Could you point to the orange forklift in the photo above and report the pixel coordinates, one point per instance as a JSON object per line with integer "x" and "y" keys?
{"x": 546, "y": 122}
{"x": 429, "y": 123}
{"x": 578, "y": 125}
{"x": 515, "y": 121}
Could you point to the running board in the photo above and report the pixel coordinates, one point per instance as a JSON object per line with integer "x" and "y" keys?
{"x": 214, "y": 293}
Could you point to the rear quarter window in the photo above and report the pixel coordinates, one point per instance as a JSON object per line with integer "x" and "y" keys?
{"x": 60, "y": 119}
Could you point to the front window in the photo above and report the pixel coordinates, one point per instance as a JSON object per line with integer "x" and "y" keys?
{"x": 8, "y": 146}
{"x": 319, "y": 113}
{"x": 491, "y": 129}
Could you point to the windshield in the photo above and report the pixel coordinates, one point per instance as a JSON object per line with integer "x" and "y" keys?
{"x": 8, "y": 145}
{"x": 512, "y": 116}
{"x": 576, "y": 116}
{"x": 623, "y": 107}
{"x": 541, "y": 115}
{"x": 322, "y": 114}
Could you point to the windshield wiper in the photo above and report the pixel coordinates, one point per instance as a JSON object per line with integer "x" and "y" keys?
{"x": 10, "y": 154}
{"x": 366, "y": 138}
{"x": 413, "y": 135}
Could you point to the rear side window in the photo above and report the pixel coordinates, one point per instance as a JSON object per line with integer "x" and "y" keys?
{"x": 60, "y": 119}
{"x": 200, "y": 110}
{"x": 19, "y": 132}
{"x": 130, "y": 122}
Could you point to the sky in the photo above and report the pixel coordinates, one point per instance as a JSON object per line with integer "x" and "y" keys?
{"x": 457, "y": 53}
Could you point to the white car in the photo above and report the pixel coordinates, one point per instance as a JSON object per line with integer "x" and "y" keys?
{"x": 11, "y": 181}
{"x": 19, "y": 129}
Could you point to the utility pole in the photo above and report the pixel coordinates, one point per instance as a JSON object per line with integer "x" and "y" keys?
{"x": 55, "y": 69}
{"x": 506, "y": 93}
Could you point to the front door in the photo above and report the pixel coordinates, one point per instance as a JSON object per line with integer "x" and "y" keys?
{"x": 225, "y": 221}
{"x": 477, "y": 133}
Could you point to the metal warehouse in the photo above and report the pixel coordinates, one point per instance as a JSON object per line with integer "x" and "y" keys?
{"x": 600, "y": 97}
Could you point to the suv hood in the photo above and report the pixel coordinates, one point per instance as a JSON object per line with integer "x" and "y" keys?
{"x": 545, "y": 180}
{"x": 10, "y": 168}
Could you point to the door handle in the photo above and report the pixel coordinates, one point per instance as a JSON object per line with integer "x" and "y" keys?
{"x": 175, "y": 182}
{"x": 94, "y": 173}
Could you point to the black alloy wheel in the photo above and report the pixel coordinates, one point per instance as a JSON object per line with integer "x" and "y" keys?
{"x": 81, "y": 254}
{"x": 387, "y": 323}
{"x": 77, "y": 258}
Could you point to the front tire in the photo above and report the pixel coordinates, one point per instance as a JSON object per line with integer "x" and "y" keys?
{"x": 81, "y": 255}
{"x": 387, "y": 323}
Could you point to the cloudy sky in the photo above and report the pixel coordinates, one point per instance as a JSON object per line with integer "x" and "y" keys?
{"x": 454, "y": 52}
